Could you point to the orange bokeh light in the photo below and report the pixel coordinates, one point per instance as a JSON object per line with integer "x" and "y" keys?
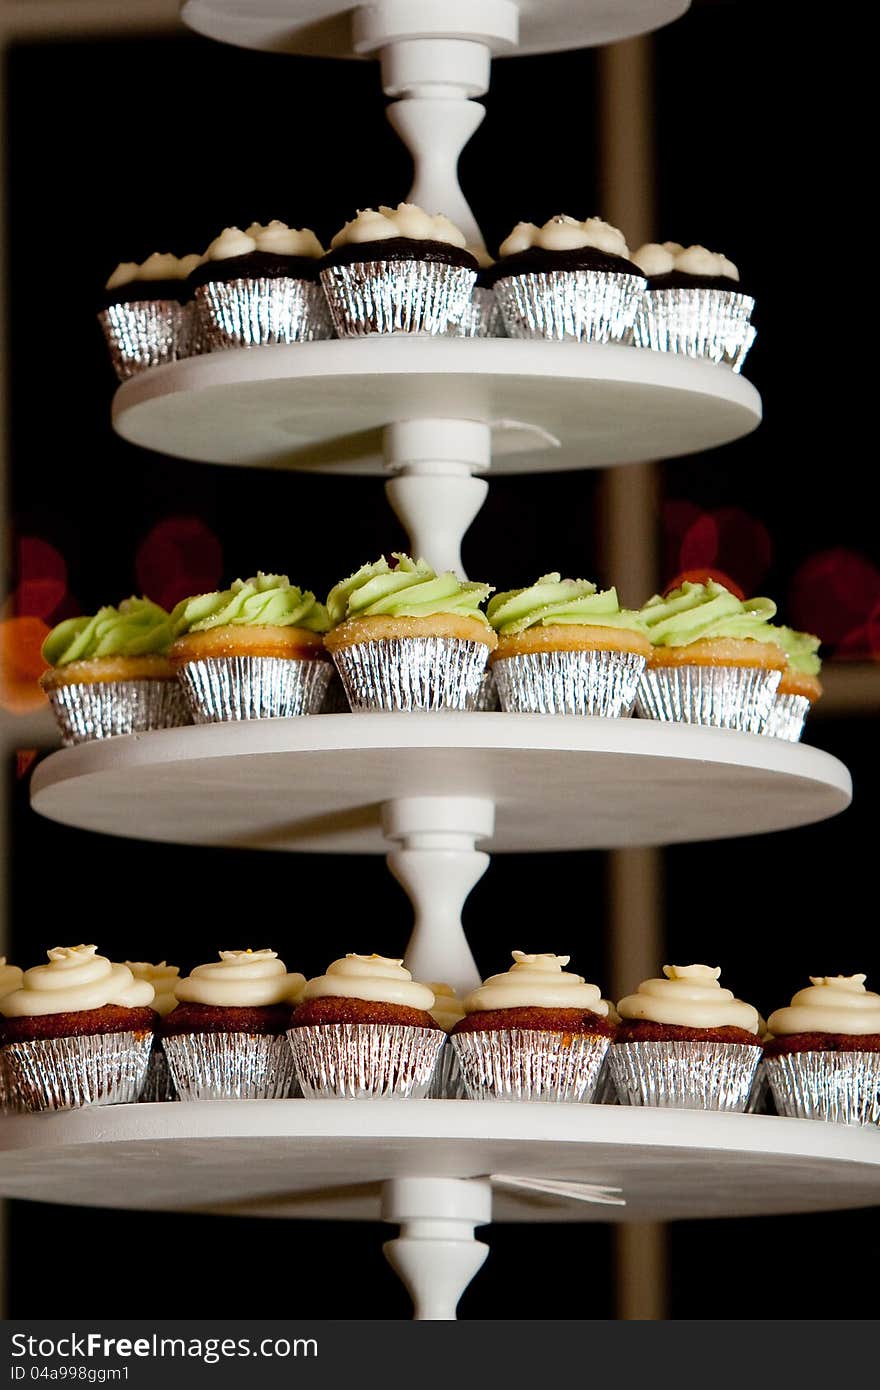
{"x": 21, "y": 663}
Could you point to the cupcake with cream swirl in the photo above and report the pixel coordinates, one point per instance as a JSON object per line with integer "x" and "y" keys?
{"x": 365, "y": 1028}
{"x": 77, "y": 1031}
{"x": 145, "y": 314}
{"x": 567, "y": 280}
{"x": 225, "y": 1040}
{"x": 158, "y": 1085}
{"x": 685, "y": 1041}
{"x": 823, "y": 1054}
{"x": 535, "y": 1032}
{"x": 10, "y": 977}
{"x": 447, "y": 1010}
{"x": 398, "y": 270}
{"x": 693, "y": 304}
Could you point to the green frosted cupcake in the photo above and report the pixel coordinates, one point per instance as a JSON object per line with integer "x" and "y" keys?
{"x": 252, "y": 651}
{"x": 110, "y": 673}
{"x": 799, "y": 688}
{"x": 406, "y": 638}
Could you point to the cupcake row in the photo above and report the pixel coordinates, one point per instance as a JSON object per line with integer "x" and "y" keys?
{"x": 84, "y": 1030}
{"x": 403, "y": 270}
{"x": 398, "y": 636}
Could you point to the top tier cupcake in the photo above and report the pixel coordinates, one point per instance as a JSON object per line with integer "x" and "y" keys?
{"x": 693, "y": 304}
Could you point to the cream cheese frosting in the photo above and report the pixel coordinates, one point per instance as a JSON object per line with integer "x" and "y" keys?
{"x": 280, "y": 240}
{"x": 536, "y": 981}
{"x": 830, "y": 1004}
{"x": 656, "y": 258}
{"x": 377, "y": 979}
{"x": 241, "y": 980}
{"x": 163, "y": 977}
{"x": 10, "y": 977}
{"x": 406, "y": 220}
{"x": 75, "y": 979}
{"x": 448, "y": 1009}
{"x": 159, "y": 266}
{"x": 563, "y": 233}
{"x": 689, "y": 997}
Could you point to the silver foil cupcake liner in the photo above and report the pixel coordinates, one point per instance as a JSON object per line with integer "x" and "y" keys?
{"x": 587, "y": 305}
{"x": 487, "y": 698}
{"x": 254, "y": 312}
{"x": 66, "y": 1073}
{"x": 158, "y": 1085}
{"x": 221, "y": 688}
{"x": 412, "y": 673}
{"x": 724, "y": 697}
{"x": 335, "y": 699}
{"x": 146, "y": 334}
{"x": 396, "y": 296}
{"x": 709, "y": 323}
{"x": 760, "y": 1096}
{"x": 842, "y": 1087}
{"x": 787, "y": 717}
{"x": 530, "y": 1064}
{"x": 606, "y": 1091}
{"x": 581, "y": 682}
{"x": 685, "y": 1075}
{"x": 742, "y": 352}
{"x": 191, "y": 342}
{"x": 481, "y": 316}
{"x": 105, "y": 709}
{"x": 230, "y": 1066}
{"x": 447, "y": 1082}
{"x": 346, "y": 1061}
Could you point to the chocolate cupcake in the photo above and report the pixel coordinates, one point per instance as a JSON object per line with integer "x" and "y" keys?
{"x": 260, "y": 286}
{"x": 158, "y": 1085}
{"x": 684, "y": 1042}
{"x": 144, "y": 315}
{"x": 481, "y": 316}
{"x": 823, "y": 1056}
{"x": 693, "y": 304}
{"x": 77, "y": 1031}
{"x": 567, "y": 280}
{"x": 225, "y": 1040}
{"x": 398, "y": 270}
{"x": 536, "y": 1032}
{"x": 799, "y": 686}
{"x": 364, "y": 1029}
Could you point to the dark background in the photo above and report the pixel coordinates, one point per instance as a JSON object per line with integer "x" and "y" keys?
{"x": 158, "y": 144}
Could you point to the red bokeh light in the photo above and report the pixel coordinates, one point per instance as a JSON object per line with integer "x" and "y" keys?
{"x": 41, "y": 578}
{"x": 21, "y": 663}
{"x": 181, "y": 556}
{"x": 726, "y": 541}
{"x": 836, "y": 594}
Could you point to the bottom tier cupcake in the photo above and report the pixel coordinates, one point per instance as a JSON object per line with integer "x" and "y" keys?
{"x": 158, "y": 1085}
{"x": 823, "y": 1058}
{"x": 447, "y": 1010}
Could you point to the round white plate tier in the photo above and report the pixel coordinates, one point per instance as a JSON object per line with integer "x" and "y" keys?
{"x": 322, "y": 406}
{"x": 323, "y": 27}
{"x": 326, "y": 1158}
{"x": 557, "y": 781}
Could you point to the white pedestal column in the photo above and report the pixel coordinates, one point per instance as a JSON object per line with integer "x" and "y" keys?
{"x": 436, "y": 1255}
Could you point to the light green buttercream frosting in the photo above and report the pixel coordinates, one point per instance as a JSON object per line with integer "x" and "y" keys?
{"x": 138, "y": 627}
{"x": 410, "y": 590}
{"x": 801, "y": 648}
{"x": 696, "y": 612}
{"x": 267, "y": 600}
{"x": 552, "y": 599}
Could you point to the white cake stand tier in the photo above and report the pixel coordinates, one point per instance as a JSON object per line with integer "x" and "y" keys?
{"x": 437, "y": 1168}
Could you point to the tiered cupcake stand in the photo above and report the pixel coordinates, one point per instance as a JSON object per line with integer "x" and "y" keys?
{"x": 427, "y": 790}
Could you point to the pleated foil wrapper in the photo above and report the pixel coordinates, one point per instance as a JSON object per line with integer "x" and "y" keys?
{"x": 146, "y": 334}
{"x": 606, "y": 1091}
{"x": 335, "y": 698}
{"x": 586, "y": 305}
{"x": 396, "y": 297}
{"x": 346, "y": 1061}
{"x": 737, "y": 361}
{"x": 412, "y": 673}
{"x": 258, "y": 311}
{"x": 582, "y": 682}
{"x": 842, "y": 1087}
{"x": 105, "y": 709}
{"x": 230, "y": 1066}
{"x": 487, "y": 698}
{"x": 67, "y": 1073}
{"x": 158, "y": 1085}
{"x": 723, "y": 697}
{"x": 447, "y": 1083}
{"x": 222, "y": 688}
{"x": 529, "y": 1064}
{"x": 707, "y": 323}
{"x": 191, "y": 342}
{"x": 787, "y": 717}
{"x": 481, "y": 316}
{"x": 685, "y": 1075}
{"x": 760, "y": 1096}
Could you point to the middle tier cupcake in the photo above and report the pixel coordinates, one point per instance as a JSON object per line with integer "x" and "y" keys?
{"x": 406, "y": 638}
{"x": 564, "y": 648}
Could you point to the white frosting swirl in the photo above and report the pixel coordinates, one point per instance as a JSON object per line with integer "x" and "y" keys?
{"x": 406, "y": 220}
{"x": 448, "y": 1009}
{"x": 241, "y": 980}
{"x": 10, "y": 977}
{"x": 831, "y": 1004}
{"x": 656, "y": 259}
{"x": 564, "y": 233}
{"x": 162, "y": 977}
{"x": 537, "y": 982}
{"x": 281, "y": 240}
{"x": 378, "y": 979}
{"x": 159, "y": 266}
{"x": 75, "y": 979}
{"x": 231, "y": 242}
{"x": 689, "y": 997}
